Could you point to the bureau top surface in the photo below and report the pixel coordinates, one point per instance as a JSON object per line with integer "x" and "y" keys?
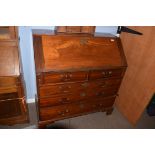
{"x": 74, "y": 52}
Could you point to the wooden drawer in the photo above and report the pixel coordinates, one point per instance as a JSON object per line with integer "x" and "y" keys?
{"x": 69, "y": 110}
{"x": 103, "y": 92}
{"x": 8, "y": 96}
{"x": 8, "y": 81}
{"x": 104, "y": 83}
{"x": 47, "y": 90}
{"x": 63, "y": 77}
{"x": 77, "y": 96}
{"x": 60, "y": 100}
{"x": 103, "y": 102}
{"x": 10, "y": 108}
{"x": 98, "y": 74}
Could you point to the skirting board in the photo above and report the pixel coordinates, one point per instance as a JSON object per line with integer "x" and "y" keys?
{"x": 30, "y": 100}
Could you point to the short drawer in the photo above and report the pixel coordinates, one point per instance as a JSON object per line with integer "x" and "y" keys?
{"x": 69, "y": 110}
{"x": 63, "y": 77}
{"x": 98, "y": 74}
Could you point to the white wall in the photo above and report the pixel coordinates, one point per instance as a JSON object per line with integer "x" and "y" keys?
{"x": 27, "y": 54}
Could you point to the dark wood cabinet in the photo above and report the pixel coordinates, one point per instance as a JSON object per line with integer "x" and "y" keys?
{"x": 13, "y": 108}
{"x": 76, "y": 74}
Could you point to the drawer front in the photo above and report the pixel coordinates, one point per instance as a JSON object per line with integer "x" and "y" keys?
{"x": 69, "y": 110}
{"x": 8, "y": 81}
{"x": 58, "y": 112}
{"x": 64, "y": 99}
{"x": 66, "y": 88}
{"x": 63, "y": 77}
{"x": 10, "y": 108}
{"x": 77, "y": 96}
{"x": 104, "y": 92}
{"x": 6, "y": 96}
{"x": 47, "y": 90}
{"x": 104, "y": 83}
{"x": 98, "y": 74}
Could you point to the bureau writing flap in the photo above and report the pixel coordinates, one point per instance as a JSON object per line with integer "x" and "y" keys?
{"x": 75, "y": 52}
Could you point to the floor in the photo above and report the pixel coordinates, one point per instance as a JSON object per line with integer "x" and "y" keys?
{"x": 91, "y": 121}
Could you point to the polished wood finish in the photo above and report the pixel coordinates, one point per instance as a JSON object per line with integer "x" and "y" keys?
{"x": 64, "y": 111}
{"x": 76, "y": 74}
{"x": 13, "y": 108}
{"x": 138, "y": 85}
{"x": 65, "y": 52}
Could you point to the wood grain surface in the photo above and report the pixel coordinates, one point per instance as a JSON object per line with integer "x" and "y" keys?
{"x": 138, "y": 84}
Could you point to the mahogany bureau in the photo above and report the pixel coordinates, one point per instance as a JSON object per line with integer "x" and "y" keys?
{"x": 13, "y": 108}
{"x": 76, "y": 74}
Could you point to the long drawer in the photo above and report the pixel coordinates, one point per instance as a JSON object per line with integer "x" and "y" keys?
{"x": 68, "y": 110}
{"x": 65, "y": 88}
{"x": 99, "y": 74}
{"x": 77, "y": 96}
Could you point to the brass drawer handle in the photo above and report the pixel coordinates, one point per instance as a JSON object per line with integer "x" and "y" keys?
{"x": 62, "y": 87}
{"x": 84, "y": 84}
{"x": 63, "y": 112}
{"x": 110, "y": 72}
{"x": 70, "y": 75}
{"x": 83, "y": 94}
{"x": 65, "y": 91}
{"x": 67, "y": 111}
{"x": 102, "y": 84}
{"x": 103, "y": 73}
{"x": 65, "y": 77}
{"x": 64, "y": 100}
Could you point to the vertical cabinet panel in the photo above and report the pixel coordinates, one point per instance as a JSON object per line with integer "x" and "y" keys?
{"x": 138, "y": 84}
